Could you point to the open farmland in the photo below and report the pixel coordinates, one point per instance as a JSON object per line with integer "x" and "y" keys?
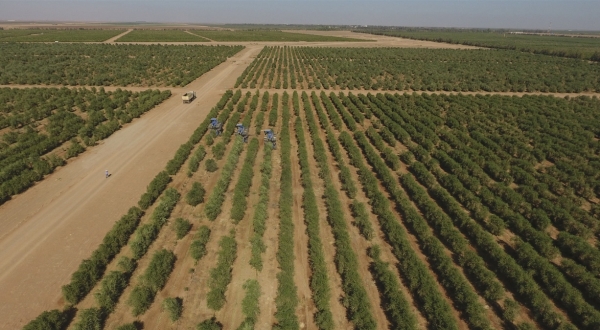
{"x": 374, "y": 211}
{"x": 40, "y": 128}
{"x": 430, "y": 216}
{"x": 418, "y": 69}
{"x": 199, "y": 35}
{"x": 160, "y": 35}
{"x": 585, "y": 47}
{"x": 47, "y": 230}
{"x": 266, "y": 35}
{"x": 52, "y": 35}
{"x": 108, "y": 65}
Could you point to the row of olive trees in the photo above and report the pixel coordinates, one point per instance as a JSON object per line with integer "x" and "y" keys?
{"x": 356, "y": 301}
{"x": 319, "y": 283}
{"x": 515, "y": 273}
{"x": 124, "y": 231}
{"x": 257, "y": 245}
{"x": 287, "y": 296}
{"x": 428, "y": 70}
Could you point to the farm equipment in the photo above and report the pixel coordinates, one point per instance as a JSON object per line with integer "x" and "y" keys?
{"x": 243, "y": 132}
{"x": 189, "y": 97}
{"x": 216, "y": 126}
{"x": 270, "y": 137}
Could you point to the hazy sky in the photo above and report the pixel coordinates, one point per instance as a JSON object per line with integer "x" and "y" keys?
{"x": 533, "y": 14}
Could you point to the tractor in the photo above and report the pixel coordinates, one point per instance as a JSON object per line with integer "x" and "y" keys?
{"x": 270, "y": 137}
{"x": 216, "y": 126}
{"x": 243, "y": 132}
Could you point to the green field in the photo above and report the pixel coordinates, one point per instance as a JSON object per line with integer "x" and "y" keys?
{"x": 418, "y": 69}
{"x": 160, "y": 36}
{"x": 471, "y": 200}
{"x": 575, "y": 47}
{"x": 39, "y": 35}
{"x": 369, "y": 208}
{"x": 34, "y": 122}
{"x": 108, "y": 65}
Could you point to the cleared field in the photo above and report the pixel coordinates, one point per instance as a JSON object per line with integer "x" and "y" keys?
{"x": 40, "y": 128}
{"x": 160, "y": 35}
{"x": 563, "y": 46}
{"x": 49, "y": 35}
{"x": 418, "y": 69}
{"x": 266, "y": 35}
{"x": 375, "y": 211}
{"x": 108, "y": 65}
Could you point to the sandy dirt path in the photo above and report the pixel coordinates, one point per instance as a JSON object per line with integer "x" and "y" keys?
{"x": 267, "y": 278}
{"x": 112, "y": 40}
{"x": 306, "y": 308}
{"x": 197, "y": 35}
{"x": 47, "y": 231}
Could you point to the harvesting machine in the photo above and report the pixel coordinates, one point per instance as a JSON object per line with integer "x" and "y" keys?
{"x": 243, "y": 132}
{"x": 216, "y": 126}
{"x": 270, "y": 137}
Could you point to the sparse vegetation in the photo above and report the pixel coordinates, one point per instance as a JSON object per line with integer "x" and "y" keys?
{"x": 196, "y": 194}
{"x": 242, "y": 188}
{"x": 198, "y": 247}
{"x": 220, "y": 276}
{"x": 250, "y": 304}
{"x": 217, "y": 196}
{"x": 211, "y": 165}
{"x": 174, "y": 307}
{"x": 181, "y": 227}
{"x": 153, "y": 279}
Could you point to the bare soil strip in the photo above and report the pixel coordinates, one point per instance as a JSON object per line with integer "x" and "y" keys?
{"x": 231, "y": 315}
{"x": 197, "y": 35}
{"x": 267, "y": 278}
{"x": 329, "y": 248}
{"x": 359, "y": 243}
{"x": 112, "y": 40}
{"x": 378, "y": 239}
{"x": 306, "y": 307}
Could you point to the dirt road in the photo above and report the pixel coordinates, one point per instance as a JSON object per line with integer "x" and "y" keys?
{"x": 111, "y": 40}
{"x": 45, "y": 232}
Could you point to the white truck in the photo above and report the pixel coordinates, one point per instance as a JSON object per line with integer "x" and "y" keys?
{"x": 189, "y": 97}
